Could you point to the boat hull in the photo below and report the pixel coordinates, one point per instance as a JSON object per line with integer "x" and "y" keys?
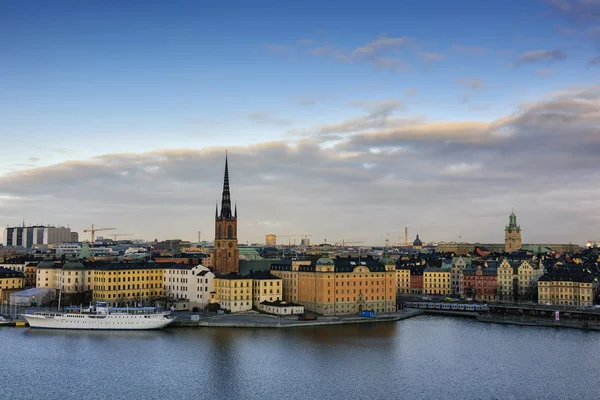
{"x": 98, "y": 322}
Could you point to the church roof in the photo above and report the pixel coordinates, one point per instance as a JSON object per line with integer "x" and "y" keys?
{"x": 417, "y": 241}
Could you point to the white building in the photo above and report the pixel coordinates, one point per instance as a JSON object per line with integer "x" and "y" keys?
{"x": 72, "y": 249}
{"x": 188, "y": 282}
{"x": 33, "y": 236}
{"x": 281, "y": 308}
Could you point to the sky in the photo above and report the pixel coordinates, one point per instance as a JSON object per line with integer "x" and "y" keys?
{"x": 342, "y": 119}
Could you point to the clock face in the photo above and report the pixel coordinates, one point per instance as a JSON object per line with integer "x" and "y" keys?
{"x": 230, "y": 245}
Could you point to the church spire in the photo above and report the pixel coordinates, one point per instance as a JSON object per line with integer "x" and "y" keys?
{"x": 226, "y": 198}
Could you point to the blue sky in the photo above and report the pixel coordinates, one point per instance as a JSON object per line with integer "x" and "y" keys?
{"x": 84, "y": 79}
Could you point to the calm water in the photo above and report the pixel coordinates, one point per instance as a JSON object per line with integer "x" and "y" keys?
{"x": 421, "y": 358}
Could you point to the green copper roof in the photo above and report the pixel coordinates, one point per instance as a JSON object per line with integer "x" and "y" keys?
{"x": 47, "y": 263}
{"x": 73, "y": 264}
{"x": 325, "y": 260}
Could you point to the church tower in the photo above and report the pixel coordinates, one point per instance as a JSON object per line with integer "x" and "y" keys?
{"x": 512, "y": 234}
{"x": 226, "y": 258}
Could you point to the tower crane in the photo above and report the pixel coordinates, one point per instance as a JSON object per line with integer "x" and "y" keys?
{"x": 305, "y": 236}
{"x": 292, "y": 235}
{"x": 344, "y": 242}
{"x": 93, "y": 231}
{"x": 114, "y": 236}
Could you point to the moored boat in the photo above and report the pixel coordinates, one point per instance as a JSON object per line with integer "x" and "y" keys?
{"x": 101, "y": 317}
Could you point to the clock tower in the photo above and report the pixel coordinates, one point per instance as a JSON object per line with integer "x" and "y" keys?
{"x": 226, "y": 259}
{"x": 512, "y": 234}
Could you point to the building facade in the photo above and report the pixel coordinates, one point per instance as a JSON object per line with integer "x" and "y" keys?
{"x": 403, "y": 280}
{"x": 266, "y": 287}
{"x": 343, "y": 285}
{"x": 126, "y": 283}
{"x": 567, "y": 288}
{"x": 528, "y": 275}
{"x": 507, "y": 280}
{"x": 226, "y": 253}
{"x": 189, "y": 282}
{"x": 233, "y": 292}
{"x": 480, "y": 283}
{"x": 281, "y": 308}
{"x": 271, "y": 240}
{"x": 437, "y": 281}
{"x": 10, "y": 281}
{"x": 458, "y": 266}
{"x": 33, "y": 236}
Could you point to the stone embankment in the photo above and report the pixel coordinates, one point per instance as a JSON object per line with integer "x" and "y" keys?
{"x": 256, "y": 320}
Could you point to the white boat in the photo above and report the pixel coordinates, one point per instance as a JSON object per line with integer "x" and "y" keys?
{"x": 101, "y": 317}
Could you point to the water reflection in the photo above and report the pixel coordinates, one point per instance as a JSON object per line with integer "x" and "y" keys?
{"x": 424, "y": 357}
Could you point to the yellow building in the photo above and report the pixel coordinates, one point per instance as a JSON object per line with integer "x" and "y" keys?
{"x": 343, "y": 285}
{"x": 528, "y": 277}
{"x": 46, "y": 274}
{"x": 403, "y": 280}
{"x": 507, "y": 274}
{"x": 271, "y": 240}
{"x": 437, "y": 281}
{"x": 564, "y": 288}
{"x": 233, "y": 292}
{"x": 126, "y": 283}
{"x": 266, "y": 287}
{"x": 10, "y": 281}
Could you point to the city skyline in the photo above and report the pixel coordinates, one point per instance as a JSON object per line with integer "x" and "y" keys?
{"x": 346, "y": 123}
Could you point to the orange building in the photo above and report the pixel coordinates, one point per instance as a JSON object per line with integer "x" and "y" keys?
{"x": 343, "y": 285}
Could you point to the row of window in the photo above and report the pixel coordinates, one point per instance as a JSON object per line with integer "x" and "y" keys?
{"x": 129, "y": 287}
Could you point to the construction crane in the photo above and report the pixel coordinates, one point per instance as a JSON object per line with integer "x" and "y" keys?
{"x": 93, "y": 231}
{"x": 344, "y": 242}
{"x": 114, "y": 236}
{"x": 305, "y": 236}
{"x": 290, "y": 236}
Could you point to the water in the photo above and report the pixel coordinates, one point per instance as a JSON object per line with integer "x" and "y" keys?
{"x": 426, "y": 357}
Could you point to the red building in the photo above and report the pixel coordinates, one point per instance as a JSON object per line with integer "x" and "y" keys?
{"x": 416, "y": 279}
{"x": 480, "y": 283}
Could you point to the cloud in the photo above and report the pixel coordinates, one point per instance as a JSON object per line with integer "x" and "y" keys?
{"x": 278, "y": 49}
{"x": 436, "y": 176}
{"x": 543, "y": 72}
{"x": 306, "y": 101}
{"x": 594, "y": 62}
{"x": 382, "y": 43}
{"x": 431, "y": 57}
{"x": 392, "y": 64}
{"x": 577, "y": 10}
{"x": 411, "y": 92}
{"x": 379, "y": 115}
{"x": 541, "y": 56}
{"x": 379, "y": 52}
{"x": 266, "y": 117}
{"x": 469, "y": 49}
{"x": 565, "y": 31}
{"x": 470, "y": 83}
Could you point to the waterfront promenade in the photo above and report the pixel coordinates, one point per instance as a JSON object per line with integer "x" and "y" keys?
{"x": 254, "y": 319}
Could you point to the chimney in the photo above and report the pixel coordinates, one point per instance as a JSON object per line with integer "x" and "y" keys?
{"x": 406, "y": 235}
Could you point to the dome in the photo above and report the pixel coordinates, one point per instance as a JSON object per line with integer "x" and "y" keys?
{"x": 417, "y": 241}
{"x": 386, "y": 259}
{"x": 73, "y": 264}
{"x": 325, "y": 261}
{"x": 47, "y": 263}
